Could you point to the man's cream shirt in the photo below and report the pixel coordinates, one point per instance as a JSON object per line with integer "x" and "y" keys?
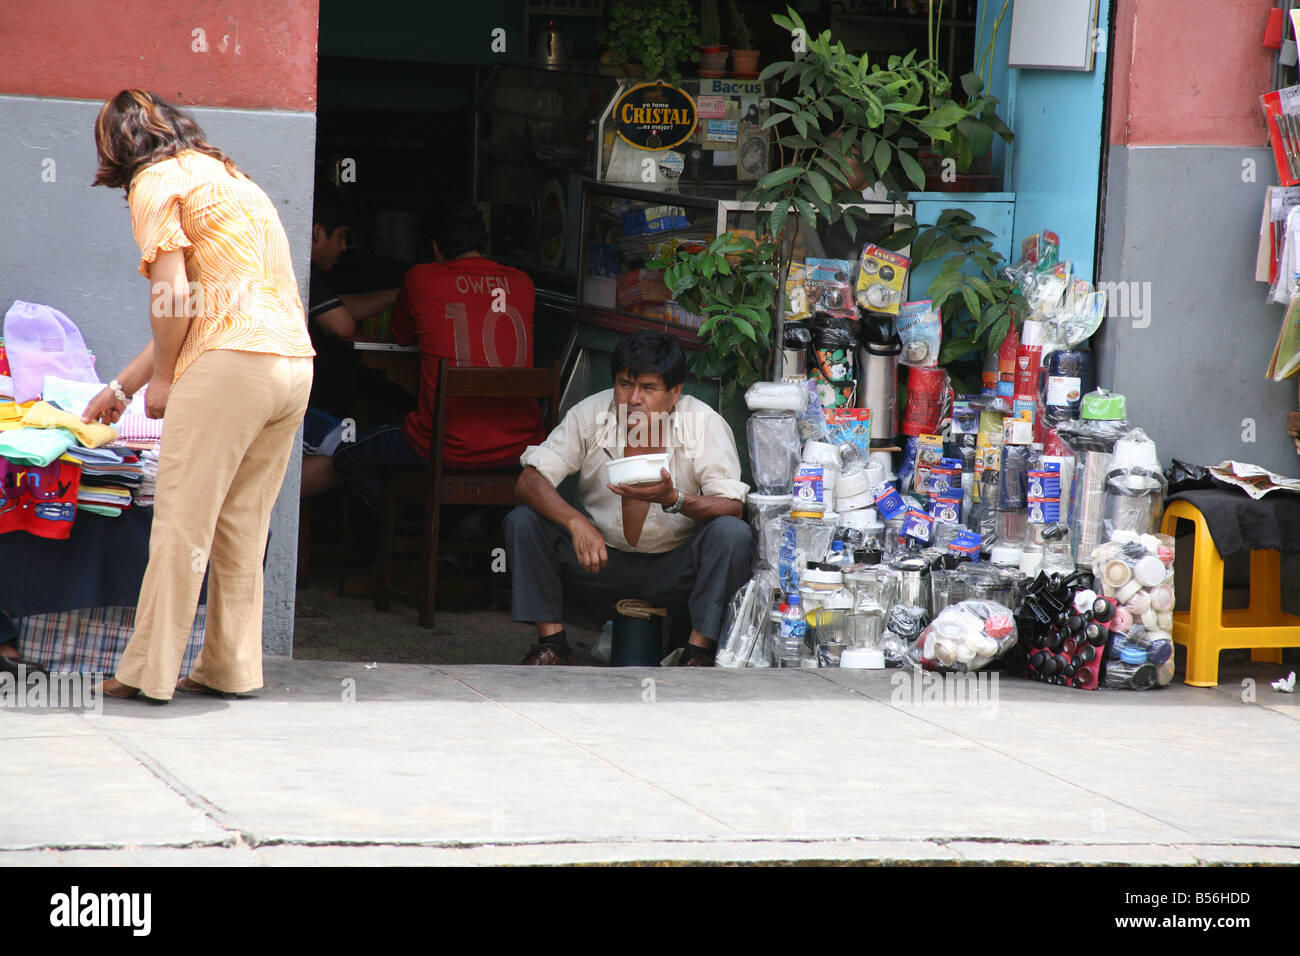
{"x": 703, "y": 461}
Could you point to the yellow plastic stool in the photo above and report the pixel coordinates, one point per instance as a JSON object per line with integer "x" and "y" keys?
{"x": 1207, "y": 628}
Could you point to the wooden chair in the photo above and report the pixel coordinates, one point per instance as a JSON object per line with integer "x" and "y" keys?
{"x": 437, "y": 486}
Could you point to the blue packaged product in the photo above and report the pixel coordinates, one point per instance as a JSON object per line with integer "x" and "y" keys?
{"x": 809, "y": 487}
{"x": 945, "y": 477}
{"x": 965, "y": 544}
{"x": 945, "y": 510}
{"x": 907, "y": 465}
{"x": 918, "y": 526}
{"x": 889, "y": 503}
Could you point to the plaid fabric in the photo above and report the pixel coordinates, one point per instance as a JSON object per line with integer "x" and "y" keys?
{"x": 90, "y": 640}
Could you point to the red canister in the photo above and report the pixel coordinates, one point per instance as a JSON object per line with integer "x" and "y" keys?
{"x": 927, "y": 400}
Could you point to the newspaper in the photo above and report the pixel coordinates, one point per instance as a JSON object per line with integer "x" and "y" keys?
{"x": 1252, "y": 479}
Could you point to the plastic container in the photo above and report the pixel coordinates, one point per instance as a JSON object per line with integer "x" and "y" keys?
{"x": 773, "y": 451}
{"x": 765, "y": 512}
{"x": 790, "y": 646}
{"x": 862, "y": 658}
{"x": 636, "y": 469}
{"x": 776, "y": 396}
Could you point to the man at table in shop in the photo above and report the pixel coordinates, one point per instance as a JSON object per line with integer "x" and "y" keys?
{"x": 476, "y": 312}
{"x": 332, "y": 322}
{"x": 677, "y": 541}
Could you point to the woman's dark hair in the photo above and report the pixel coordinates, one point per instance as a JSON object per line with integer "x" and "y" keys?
{"x": 457, "y": 230}
{"x": 650, "y": 353}
{"x": 136, "y": 129}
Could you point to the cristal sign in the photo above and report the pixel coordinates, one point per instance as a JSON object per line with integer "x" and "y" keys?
{"x": 655, "y": 116}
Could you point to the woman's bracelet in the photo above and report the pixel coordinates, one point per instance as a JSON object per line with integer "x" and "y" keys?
{"x": 116, "y": 387}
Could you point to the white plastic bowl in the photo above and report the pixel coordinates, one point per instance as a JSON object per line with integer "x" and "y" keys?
{"x": 636, "y": 469}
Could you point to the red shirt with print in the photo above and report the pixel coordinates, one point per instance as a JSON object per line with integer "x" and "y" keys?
{"x": 474, "y": 312}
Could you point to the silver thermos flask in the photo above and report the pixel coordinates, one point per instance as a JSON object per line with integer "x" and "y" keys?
{"x": 879, "y": 348}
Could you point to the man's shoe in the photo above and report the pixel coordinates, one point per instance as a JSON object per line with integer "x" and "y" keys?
{"x": 13, "y": 665}
{"x": 547, "y": 653}
{"x": 694, "y": 656}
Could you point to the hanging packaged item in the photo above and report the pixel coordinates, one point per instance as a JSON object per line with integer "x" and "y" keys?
{"x": 881, "y": 277}
{"x": 796, "y": 290}
{"x": 41, "y": 341}
{"x": 920, "y": 328}
{"x": 1044, "y": 494}
{"x": 929, "y": 453}
{"x": 830, "y": 287}
{"x": 1040, "y": 252}
{"x": 851, "y": 426}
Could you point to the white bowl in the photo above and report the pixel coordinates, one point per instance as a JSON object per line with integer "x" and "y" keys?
{"x": 636, "y": 469}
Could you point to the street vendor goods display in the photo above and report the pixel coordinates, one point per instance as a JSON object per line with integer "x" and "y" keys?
{"x": 1012, "y": 529}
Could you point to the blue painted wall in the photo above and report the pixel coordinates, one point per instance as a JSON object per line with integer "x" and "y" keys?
{"x": 1057, "y": 153}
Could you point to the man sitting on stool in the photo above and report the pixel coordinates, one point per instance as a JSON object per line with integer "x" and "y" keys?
{"x": 678, "y": 541}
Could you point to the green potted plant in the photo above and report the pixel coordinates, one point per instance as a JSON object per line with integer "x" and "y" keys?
{"x": 744, "y": 58}
{"x": 651, "y": 36}
{"x": 966, "y": 155}
{"x": 977, "y": 302}
{"x": 848, "y": 122}
{"x": 731, "y": 284}
{"x": 713, "y": 52}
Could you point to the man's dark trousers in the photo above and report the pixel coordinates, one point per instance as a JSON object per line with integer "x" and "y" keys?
{"x": 701, "y": 574}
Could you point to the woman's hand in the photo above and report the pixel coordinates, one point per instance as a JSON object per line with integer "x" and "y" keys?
{"x": 104, "y": 407}
{"x": 155, "y": 399}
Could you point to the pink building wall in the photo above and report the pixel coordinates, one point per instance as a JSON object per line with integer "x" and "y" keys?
{"x": 1189, "y": 72}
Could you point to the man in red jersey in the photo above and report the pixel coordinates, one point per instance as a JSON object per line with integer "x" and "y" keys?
{"x": 475, "y": 312}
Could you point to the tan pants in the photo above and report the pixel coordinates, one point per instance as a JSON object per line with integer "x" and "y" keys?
{"x": 231, "y": 422}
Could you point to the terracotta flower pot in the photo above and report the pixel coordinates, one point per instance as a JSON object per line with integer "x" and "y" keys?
{"x": 713, "y": 61}
{"x": 744, "y": 64}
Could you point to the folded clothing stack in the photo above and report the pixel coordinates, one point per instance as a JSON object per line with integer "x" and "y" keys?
{"x": 149, "y": 470}
{"x": 109, "y": 478}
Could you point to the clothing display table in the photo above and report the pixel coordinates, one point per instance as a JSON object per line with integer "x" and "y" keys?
{"x": 73, "y": 601}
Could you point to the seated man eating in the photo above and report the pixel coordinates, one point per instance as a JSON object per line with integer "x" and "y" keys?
{"x": 678, "y": 541}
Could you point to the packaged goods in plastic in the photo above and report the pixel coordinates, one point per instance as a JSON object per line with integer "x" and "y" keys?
{"x": 965, "y": 637}
{"x": 773, "y": 451}
{"x": 764, "y": 514}
{"x": 1137, "y": 572}
{"x": 747, "y": 629}
{"x": 776, "y": 397}
{"x": 1135, "y": 486}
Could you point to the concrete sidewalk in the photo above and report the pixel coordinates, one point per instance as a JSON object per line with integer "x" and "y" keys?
{"x": 511, "y": 765}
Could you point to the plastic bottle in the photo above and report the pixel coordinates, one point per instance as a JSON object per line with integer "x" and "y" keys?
{"x": 791, "y": 648}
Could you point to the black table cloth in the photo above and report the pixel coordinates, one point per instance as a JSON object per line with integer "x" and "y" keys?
{"x": 1239, "y": 523}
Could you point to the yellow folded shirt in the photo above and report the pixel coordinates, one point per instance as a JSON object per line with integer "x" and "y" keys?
{"x": 92, "y": 435}
{"x": 11, "y": 414}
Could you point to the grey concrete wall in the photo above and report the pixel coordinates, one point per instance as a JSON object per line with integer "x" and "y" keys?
{"x": 69, "y": 246}
{"x": 1182, "y": 224}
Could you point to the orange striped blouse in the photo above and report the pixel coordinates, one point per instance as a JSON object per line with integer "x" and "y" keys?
{"x": 243, "y": 292}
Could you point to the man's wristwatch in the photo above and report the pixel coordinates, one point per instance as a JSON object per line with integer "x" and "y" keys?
{"x": 676, "y": 506}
